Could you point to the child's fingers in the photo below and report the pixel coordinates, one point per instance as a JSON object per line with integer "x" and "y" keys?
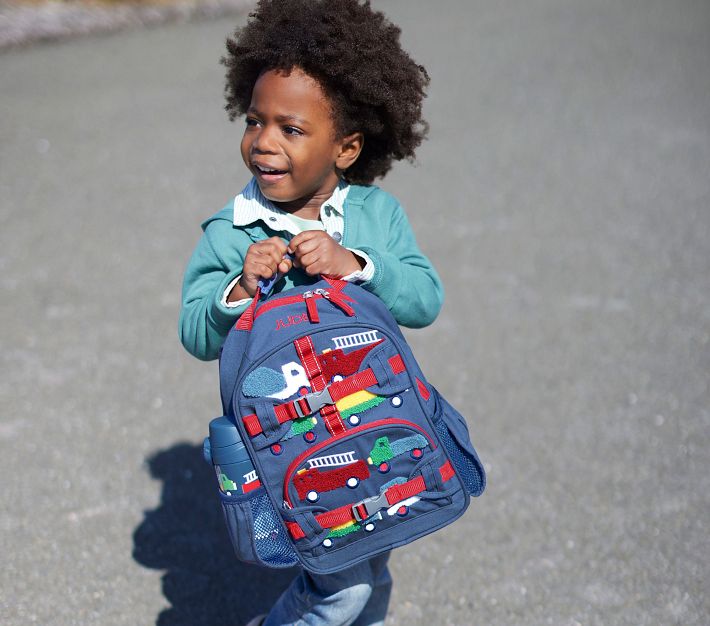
{"x": 285, "y": 265}
{"x": 270, "y": 252}
{"x": 278, "y": 243}
{"x": 275, "y": 246}
{"x": 296, "y": 241}
{"x": 307, "y": 241}
{"x": 308, "y": 252}
{"x": 261, "y": 270}
{"x": 309, "y": 247}
{"x": 261, "y": 266}
{"x": 310, "y": 262}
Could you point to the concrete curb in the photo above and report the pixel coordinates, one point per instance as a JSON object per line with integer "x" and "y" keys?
{"x": 23, "y": 24}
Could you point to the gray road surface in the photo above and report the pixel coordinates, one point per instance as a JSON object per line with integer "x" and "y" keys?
{"x": 564, "y": 195}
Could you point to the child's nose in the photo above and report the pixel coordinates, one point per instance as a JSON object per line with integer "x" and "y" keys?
{"x": 265, "y": 140}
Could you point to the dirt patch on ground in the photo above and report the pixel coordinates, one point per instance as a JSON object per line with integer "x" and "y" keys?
{"x": 23, "y": 23}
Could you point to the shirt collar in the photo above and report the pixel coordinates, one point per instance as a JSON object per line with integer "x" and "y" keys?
{"x": 252, "y": 206}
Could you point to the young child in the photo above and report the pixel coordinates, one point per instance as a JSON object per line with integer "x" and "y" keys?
{"x": 331, "y": 100}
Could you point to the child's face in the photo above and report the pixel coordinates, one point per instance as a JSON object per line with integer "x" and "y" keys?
{"x": 290, "y": 143}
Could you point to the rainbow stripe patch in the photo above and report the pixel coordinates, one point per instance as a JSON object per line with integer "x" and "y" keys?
{"x": 345, "y": 529}
{"x": 357, "y": 403}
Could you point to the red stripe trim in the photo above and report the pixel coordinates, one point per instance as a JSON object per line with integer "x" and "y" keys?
{"x": 336, "y": 517}
{"x": 336, "y": 283}
{"x": 284, "y": 413}
{"x": 352, "y": 384}
{"x": 295, "y": 530}
{"x": 333, "y": 420}
{"x": 397, "y": 364}
{"x": 447, "y": 471}
{"x": 312, "y": 308}
{"x": 275, "y": 304}
{"x": 246, "y": 321}
{"x": 338, "y": 300}
{"x": 252, "y": 424}
{"x": 423, "y": 391}
{"x": 397, "y": 493}
{"x": 307, "y": 353}
{"x": 288, "y": 300}
{"x": 247, "y": 487}
{"x": 362, "y": 380}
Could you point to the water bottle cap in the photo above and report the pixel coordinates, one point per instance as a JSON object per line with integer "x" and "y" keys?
{"x": 226, "y": 445}
{"x": 224, "y": 433}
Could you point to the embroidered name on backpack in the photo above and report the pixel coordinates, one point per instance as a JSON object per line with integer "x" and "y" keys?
{"x": 292, "y": 320}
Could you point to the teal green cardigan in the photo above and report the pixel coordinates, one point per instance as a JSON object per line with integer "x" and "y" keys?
{"x": 375, "y": 223}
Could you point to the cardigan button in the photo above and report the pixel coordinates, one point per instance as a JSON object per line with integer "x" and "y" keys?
{"x": 337, "y": 236}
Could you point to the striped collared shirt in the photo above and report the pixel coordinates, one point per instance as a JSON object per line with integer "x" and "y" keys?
{"x": 252, "y": 206}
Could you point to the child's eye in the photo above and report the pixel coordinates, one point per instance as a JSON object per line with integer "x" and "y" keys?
{"x": 250, "y": 121}
{"x": 292, "y": 130}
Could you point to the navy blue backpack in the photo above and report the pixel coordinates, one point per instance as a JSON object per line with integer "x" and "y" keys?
{"x": 333, "y": 447}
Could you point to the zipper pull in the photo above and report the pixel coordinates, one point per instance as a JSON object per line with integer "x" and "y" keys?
{"x": 311, "y": 307}
{"x": 338, "y": 300}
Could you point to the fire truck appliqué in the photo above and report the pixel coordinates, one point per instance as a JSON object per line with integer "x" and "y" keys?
{"x": 348, "y": 472}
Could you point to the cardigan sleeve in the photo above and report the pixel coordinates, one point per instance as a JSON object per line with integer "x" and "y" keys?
{"x": 204, "y": 320}
{"x": 404, "y": 279}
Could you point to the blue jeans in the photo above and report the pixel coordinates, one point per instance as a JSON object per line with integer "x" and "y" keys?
{"x": 357, "y": 596}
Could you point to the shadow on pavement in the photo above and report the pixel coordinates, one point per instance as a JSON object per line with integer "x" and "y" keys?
{"x": 203, "y": 583}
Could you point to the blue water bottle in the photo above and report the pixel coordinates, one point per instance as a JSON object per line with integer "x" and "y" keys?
{"x": 225, "y": 450}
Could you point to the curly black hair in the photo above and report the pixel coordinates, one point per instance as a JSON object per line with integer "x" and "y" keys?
{"x": 355, "y": 55}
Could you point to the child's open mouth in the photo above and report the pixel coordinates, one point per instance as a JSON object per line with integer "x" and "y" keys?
{"x": 269, "y": 174}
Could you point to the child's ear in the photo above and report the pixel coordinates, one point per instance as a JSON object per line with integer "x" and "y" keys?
{"x": 350, "y": 149}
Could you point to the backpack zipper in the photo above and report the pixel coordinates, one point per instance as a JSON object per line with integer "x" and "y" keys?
{"x": 311, "y": 307}
{"x": 339, "y": 299}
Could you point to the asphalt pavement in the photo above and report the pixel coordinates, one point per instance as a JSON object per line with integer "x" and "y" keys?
{"x": 564, "y": 196}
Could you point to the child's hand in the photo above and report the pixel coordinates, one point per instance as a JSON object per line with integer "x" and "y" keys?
{"x": 264, "y": 259}
{"x": 316, "y": 252}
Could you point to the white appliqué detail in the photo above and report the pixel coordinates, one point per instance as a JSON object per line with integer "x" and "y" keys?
{"x": 295, "y": 377}
{"x": 332, "y": 460}
{"x": 358, "y": 339}
{"x": 408, "y": 502}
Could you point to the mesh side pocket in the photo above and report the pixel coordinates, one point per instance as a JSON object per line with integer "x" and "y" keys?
{"x": 453, "y": 434}
{"x": 255, "y": 531}
{"x": 270, "y": 542}
{"x": 465, "y": 467}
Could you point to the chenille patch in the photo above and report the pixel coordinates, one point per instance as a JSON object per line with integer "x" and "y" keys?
{"x": 337, "y": 362}
{"x": 300, "y": 426}
{"x": 357, "y": 403}
{"x": 263, "y": 381}
{"x": 345, "y": 529}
